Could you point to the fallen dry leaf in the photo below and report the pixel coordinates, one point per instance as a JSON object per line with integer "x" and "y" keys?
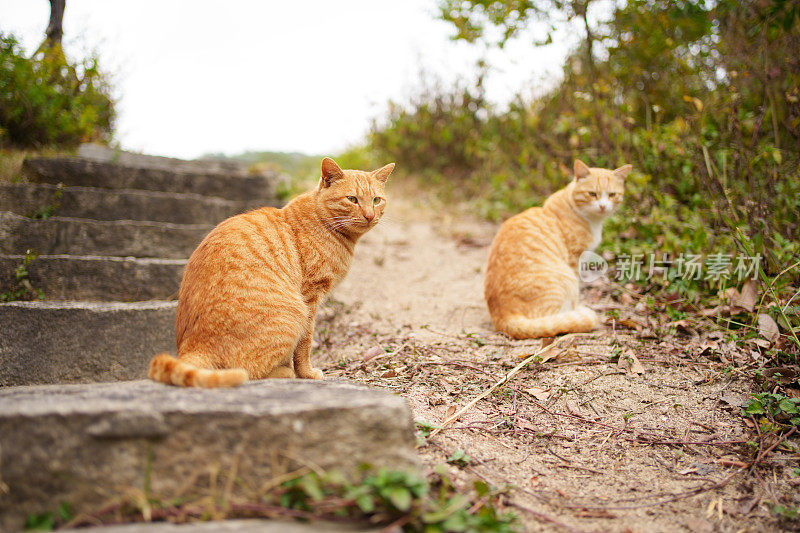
{"x": 782, "y": 374}
{"x": 574, "y": 409}
{"x": 450, "y": 411}
{"x": 626, "y": 299}
{"x": 391, "y": 373}
{"x": 728, "y": 295}
{"x": 449, "y": 385}
{"x": 732, "y": 462}
{"x": 549, "y": 351}
{"x": 630, "y": 323}
{"x": 630, "y": 363}
{"x": 761, "y": 343}
{"x": 540, "y": 394}
{"x": 568, "y": 355}
{"x": 685, "y": 327}
{"x": 748, "y": 297}
{"x": 524, "y": 424}
{"x": 709, "y": 346}
{"x": 373, "y": 352}
{"x": 648, "y": 333}
{"x": 767, "y": 328}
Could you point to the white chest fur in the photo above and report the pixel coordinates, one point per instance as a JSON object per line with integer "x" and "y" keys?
{"x": 597, "y": 234}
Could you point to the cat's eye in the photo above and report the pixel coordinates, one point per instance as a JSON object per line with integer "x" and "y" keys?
{"x": 352, "y": 199}
{"x": 593, "y": 194}
{"x": 612, "y": 194}
{"x": 376, "y": 200}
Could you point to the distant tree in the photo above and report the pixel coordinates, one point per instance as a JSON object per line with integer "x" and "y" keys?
{"x": 51, "y": 46}
{"x": 474, "y": 20}
{"x": 55, "y": 30}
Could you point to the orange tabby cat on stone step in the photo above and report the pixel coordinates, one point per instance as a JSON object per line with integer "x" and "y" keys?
{"x": 250, "y": 291}
{"x": 531, "y": 284}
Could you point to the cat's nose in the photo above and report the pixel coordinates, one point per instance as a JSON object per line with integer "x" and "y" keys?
{"x": 369, "y": 216}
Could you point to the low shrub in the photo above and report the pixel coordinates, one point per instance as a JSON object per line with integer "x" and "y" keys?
{"x": 48, "y": 101}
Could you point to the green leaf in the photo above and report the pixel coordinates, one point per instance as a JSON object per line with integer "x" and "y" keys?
{"x": 366, "y": 503}
{"x": 400, "y": 497}
{"x": 789, "y": 405}
{"x": 457, "y": 522}
{"x": 40, "y": 522}
{"x": 65, "y": 512}
{"x": 310, "y": 485}
{"x": 754, "y": 408}
{"x": 481, "y": 488}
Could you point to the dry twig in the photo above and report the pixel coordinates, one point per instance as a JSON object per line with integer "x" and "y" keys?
{"x": 502, "y": 382}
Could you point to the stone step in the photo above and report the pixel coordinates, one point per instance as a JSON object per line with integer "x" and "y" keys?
{"x": 104, "y": 154}
{"x": 82, "y": 342}
{"x": 27, "y": 199}
{"x": 91, "y": 445}
{"x": 261, "y": 189}
{"x": 97, "y": 278}
{"x": 78, "y": 236}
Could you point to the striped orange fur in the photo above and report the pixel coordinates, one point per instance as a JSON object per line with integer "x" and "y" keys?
{"x": 531, "y": 285}
{"x": 250, "y": 291}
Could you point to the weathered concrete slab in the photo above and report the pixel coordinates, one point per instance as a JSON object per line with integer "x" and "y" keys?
{"x": 104, "y": 204}
{"x": 89, "y": 444}
{"x": 233, "y": 526}
{"x": 260, "y": 188}
{"x": 80, "y": 342}
{"x": 78, "y": 236}
{"x": 97, "y": 278}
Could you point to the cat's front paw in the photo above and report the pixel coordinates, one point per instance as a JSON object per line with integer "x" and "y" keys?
{"x": 312, "y": 373}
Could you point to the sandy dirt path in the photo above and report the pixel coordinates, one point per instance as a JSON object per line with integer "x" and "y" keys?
{"x": 625, "y": 430}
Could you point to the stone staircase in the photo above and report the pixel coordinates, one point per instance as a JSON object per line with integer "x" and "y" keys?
{"x": 111, "y": 254}
{"x": 110, "y": 257}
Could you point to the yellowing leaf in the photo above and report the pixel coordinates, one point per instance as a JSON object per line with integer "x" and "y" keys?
{"x": 698, "y": 104}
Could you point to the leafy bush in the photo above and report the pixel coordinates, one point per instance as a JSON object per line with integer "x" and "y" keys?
{"x": 397, "y": 497}
{"x": 46, "y": 101}
{"x": 778, "y": 408}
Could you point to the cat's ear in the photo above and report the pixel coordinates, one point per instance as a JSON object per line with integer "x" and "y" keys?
{"x": 581, "y": 170}
{"x": 382, "y": 174}
{"x": 623, "y": 171}
{"x": 330, "y": 172}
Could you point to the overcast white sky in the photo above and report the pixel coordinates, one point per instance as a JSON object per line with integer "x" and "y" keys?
{"x": 226, "y": 76}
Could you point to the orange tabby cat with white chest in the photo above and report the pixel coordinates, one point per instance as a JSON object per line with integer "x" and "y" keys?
{"x": 250, "y": 291}
{"x": 531, "y": 284}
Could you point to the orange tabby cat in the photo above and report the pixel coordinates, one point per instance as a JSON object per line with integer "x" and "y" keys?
{"x": 250, "y": 291}
{"x": 531, "y": 284}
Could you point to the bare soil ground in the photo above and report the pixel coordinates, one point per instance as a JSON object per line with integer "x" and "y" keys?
{"x": 636, "y": 427}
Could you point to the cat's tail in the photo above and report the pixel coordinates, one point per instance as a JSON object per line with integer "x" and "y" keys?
{"x": 522, "y": 327}
{"x": 167, "y": 369}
